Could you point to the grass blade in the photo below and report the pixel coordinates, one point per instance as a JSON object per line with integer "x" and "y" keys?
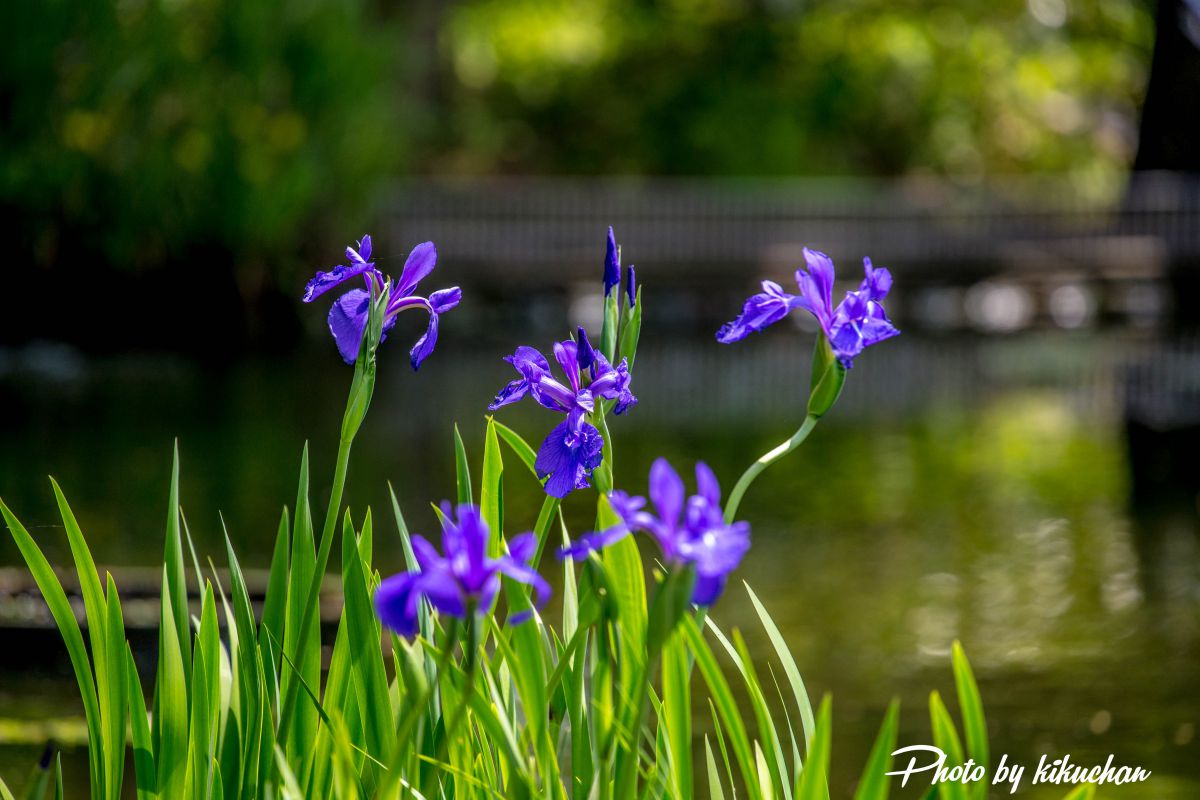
{"x": 971, "y": 707}
{"x": 462, "y": 469}
{"x": 814, "y": 778}
{"x": 875, "y": 783}
{"x": 68, "y": 628}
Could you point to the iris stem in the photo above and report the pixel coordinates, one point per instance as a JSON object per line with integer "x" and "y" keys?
{"x": 764, "y": 461}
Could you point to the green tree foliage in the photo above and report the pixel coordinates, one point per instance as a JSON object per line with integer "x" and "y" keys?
{"x": 137, "y": 128}
{"x": 787, "y": 87}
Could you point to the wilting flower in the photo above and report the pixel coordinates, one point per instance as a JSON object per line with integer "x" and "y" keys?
{"x": 462, "y": 579}
{"x": 856, "y": 323}
{"x": 348, "y": 316}
{"x": 691, "y": 532}
{"x": 573, "y": 448}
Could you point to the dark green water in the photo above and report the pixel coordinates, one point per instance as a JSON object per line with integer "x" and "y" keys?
{"x": 1004, "y": 522}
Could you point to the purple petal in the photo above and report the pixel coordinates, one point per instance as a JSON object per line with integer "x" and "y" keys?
{"x": 707, "y": 485}
{"x": 568, "y": 456}
{"x": 718, "y": 550}
{"x": 597, "y": 540}
{"x": 552, "y": 394}
{"x": 511, "y": 393}
{"x": 876, "y": 282}
{"x": 666, "y": 492}
{"x": 707, "y": 589}
{"x": 426, "y": 554}
{"x": 567, "y": 356}
{"x": 522, "y": 573}
{"x": 443, "y": 300}
{"x": 443, "y": 591}
{"x": 816, "y": 285}
{"x": 612, "y": 263}
{"x": 760, "y": 311}
{"x": 347, "y": 318}
{"x": 522, "y": 547}
{"x": 324, "y": 281}
{"x": 420, "y": 263}
{"x": 532, "y": 365}
{"x": 631, "y": 286}
{"x": 425, "y": 344}
{"x": 364, "y": 249}
{"x": 397, "y": 604}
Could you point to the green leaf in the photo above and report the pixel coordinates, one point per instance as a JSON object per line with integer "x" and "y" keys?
{"x": 715, "y": 791}
{"x": 971, "y": 706}
{"x": 727, "y": 707}
{"x": 491, "y": 500}
{"x": 945, "y": 738}
{"x": 139, "y": 724}
{"x": 366, "y": 661}
{"x": 789, "y": 668}
{"x": 68, "y": 628}
{"x": 519, "y": 446}
{"x": 1085, "y": 792}
{"x": 677, "y": 713}
{"x": 301, "y": 734}
{"x": 176, "y": 584}
{"x": 875, "y": 782}
{"x": 814, "y": 778}
{"x": 118, "y": 685}
{"x": 462, "y": 469}
{"x": 170, "y": 718}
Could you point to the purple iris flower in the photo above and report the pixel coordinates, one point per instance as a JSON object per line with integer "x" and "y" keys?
{"x": 856, "y": 323}
{"x": 462, "y": 579}
{"x": 573, "y": 448}
{"x": 691, "y": 532}
{"x": 348, "y": 316}
{"x": 612, "y": 263}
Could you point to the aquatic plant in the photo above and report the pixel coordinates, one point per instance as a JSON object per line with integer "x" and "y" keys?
{"x": 429, "y": 690}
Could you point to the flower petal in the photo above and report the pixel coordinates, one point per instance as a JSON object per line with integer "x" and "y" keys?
{"x": 666, "y": 491}
{"x": 324, "y": 281}
{"x": 397, "y": 603}
{"x": 567, "y": 456}
{"x": 443, "y": 591}
{"x": 596, "y": 540}
{"x": 707, "y": 485}
{"x": 424, "y": 346}
{"x": 420, "y": 263}
{"x": 760, "y": 311}
{"x": 523, "y": 573}
{"x": 876, "y": 282}
{"x": 707, "y": 589}
{"x": 816, "y": 285}
{"x": 426, "y": 554}
{"x": 443, "y": 300}
{"x": 347, "y": 318}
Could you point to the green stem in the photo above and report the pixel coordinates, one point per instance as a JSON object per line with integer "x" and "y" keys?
{"x": 766, "y": 460}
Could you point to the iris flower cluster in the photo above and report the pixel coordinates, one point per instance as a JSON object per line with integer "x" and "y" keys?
{"x": 573, "y": 448}
{"x": 856, "y": 323}
{"x": 691, "y": 531}
{"x": 348, "y": 316}
{"x": 460, "y": 578}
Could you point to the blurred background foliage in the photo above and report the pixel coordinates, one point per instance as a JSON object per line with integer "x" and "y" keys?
{"x": 138, "y": 134}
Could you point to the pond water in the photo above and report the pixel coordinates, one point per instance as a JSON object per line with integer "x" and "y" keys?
{"x": 1003, "y": 520}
